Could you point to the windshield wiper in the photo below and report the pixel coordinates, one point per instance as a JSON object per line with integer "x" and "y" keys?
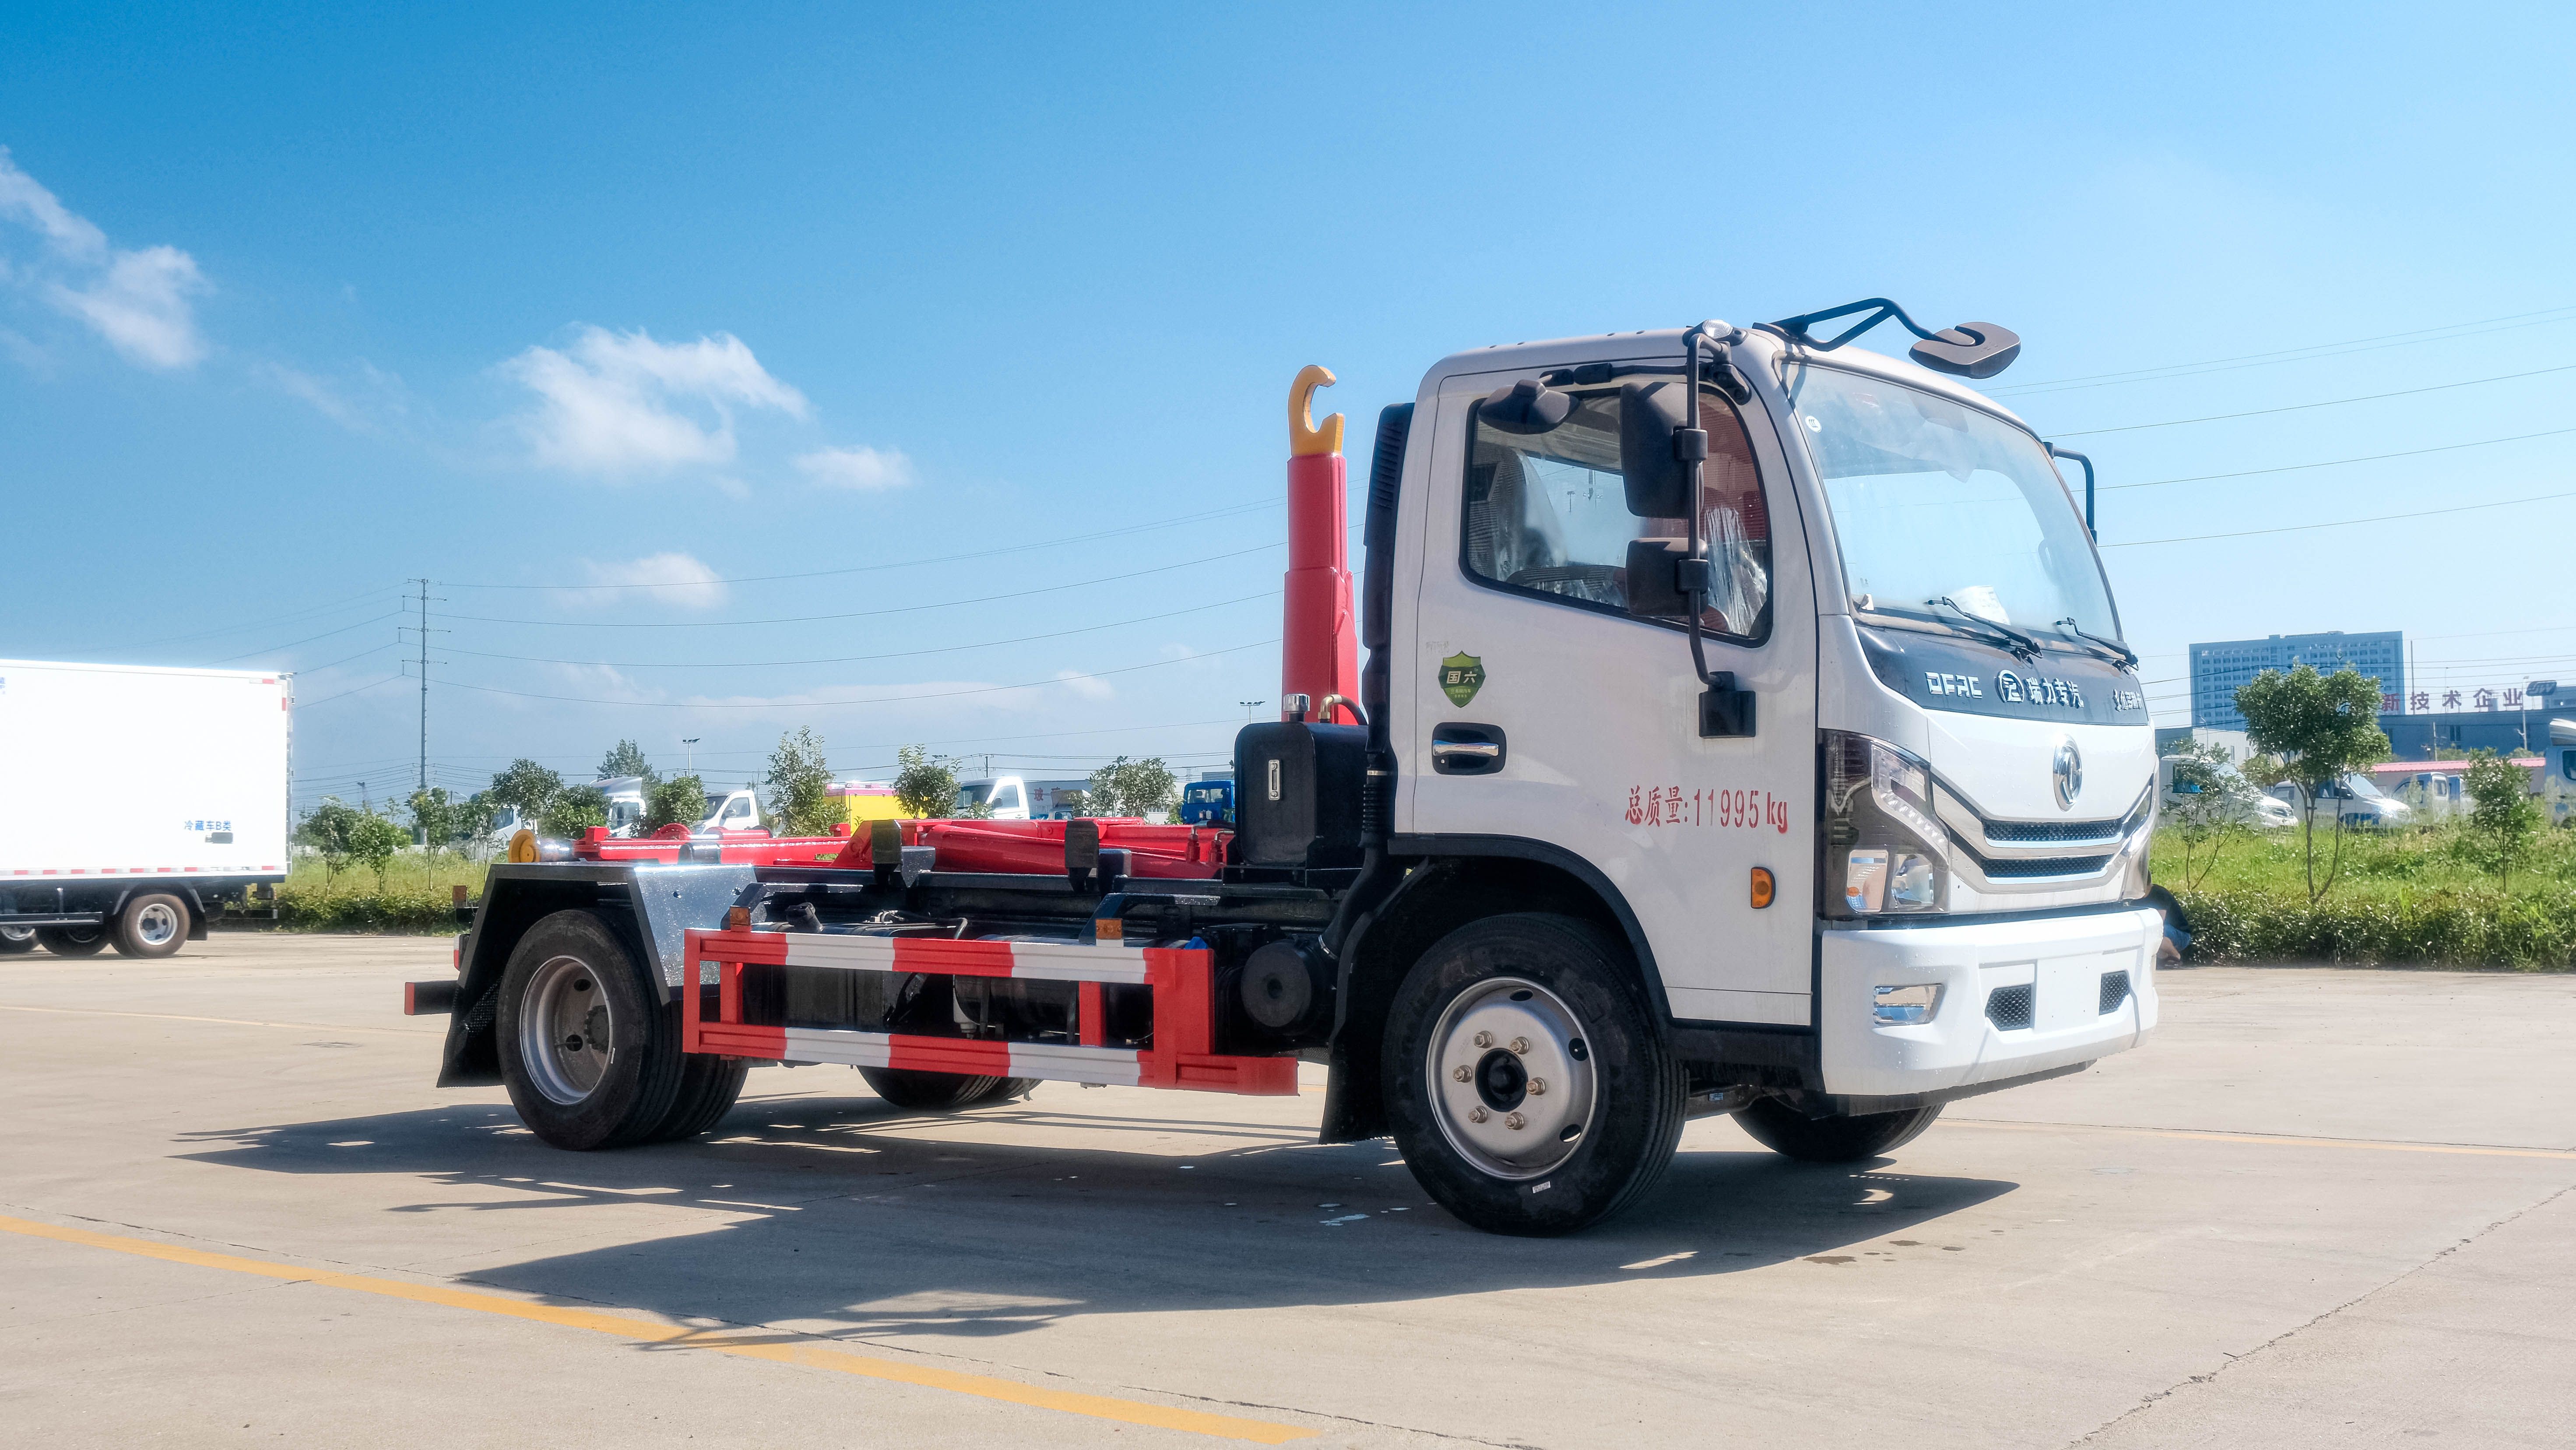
{"x": 2011, "y": 638}
{"x": 2127, "y": 657}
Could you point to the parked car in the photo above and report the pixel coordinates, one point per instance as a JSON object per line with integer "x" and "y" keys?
{"x": 2355, "y": 800}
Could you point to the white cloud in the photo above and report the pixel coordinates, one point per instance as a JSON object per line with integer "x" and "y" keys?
{"x": 671, "y": 578}
{"x": 617, "y": 404}
{"x": 364, "y": 402}
{"x": 860, "y": 468}
{"x": 138, "y": 301}
{"x": 1089, "y": 687}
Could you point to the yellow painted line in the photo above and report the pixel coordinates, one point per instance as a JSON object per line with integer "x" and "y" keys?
{"x": 227, "y": 1021}
{"x": 2271, "y": 1140}
{"x": 799, "y": 1350}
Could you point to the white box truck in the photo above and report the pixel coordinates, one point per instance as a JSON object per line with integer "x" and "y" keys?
{"x": 134, "y": 800}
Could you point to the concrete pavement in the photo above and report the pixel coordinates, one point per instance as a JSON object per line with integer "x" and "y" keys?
{"x": 2321, "y": 1208}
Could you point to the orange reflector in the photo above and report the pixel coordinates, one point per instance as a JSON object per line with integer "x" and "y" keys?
{"x": 1763, "y": 886}
{"x": 738, "y": 918}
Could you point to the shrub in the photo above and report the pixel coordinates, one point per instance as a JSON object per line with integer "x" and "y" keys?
{"x": 2437, "y": 928}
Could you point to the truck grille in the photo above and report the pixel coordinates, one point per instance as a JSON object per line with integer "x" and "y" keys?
{"x": 2034, "y": 832}
{"x": 2115, "y": 990}
{"x": 2023, "y": 868}
{"x": 2010, "y": 1008}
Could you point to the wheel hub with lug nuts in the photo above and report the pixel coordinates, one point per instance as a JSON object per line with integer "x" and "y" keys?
{"x": 156, "y": 923}
{"x": 1512, "y": 1080}
{"x": 565, "y": 1030}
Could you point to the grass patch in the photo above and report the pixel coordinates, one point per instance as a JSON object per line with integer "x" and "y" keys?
{"x": 414, "y": 895}
{"x": 2419, "y": 896}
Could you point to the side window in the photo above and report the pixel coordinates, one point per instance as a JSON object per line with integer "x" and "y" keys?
{"x": 1547, "y": 513}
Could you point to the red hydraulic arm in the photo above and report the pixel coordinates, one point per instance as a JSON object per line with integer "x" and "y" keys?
{"x": 1319, "y": 652}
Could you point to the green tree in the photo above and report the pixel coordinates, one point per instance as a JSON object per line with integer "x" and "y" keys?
{"x": 627, "y": 759}
{"x": 2214, "y": 801}
{"x": 1126, "y": 787}
{"x": 373, "y": 840}
{"x": 681, "y": 800}
{"x": 328, "y": 831}
{"x": 924, "y": 786}
{"x": 2502, "y": 816}
{"x": 2318, "y": 728}
{"x": 437, "y": 820}
{"x": 526, "y": 787}
{"x": 800, "y": 784}
{"x": 572, "y": 811}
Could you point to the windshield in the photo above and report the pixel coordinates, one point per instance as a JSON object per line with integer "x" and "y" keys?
{"x": 1932, "y": 500}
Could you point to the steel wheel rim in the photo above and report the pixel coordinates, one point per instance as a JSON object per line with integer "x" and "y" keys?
{"x": 566, "y": 1030}
{"x": 18, "y": 933}
{"x": 156, "y": 924}
{"x": 1512, "y": 1079}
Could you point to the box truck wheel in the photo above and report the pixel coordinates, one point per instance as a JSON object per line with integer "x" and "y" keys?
{"x": 152, "y": 925}
{"x": 591, "y": 1059}
{"x": 709, "y": 1086}
{"x": 1835, "y": 1138}
{"x": 16, "y": 939}
{"x": 73, "y": 941}
{"x": 1528, "y": 1086}
{"x": 939, "y": 1092}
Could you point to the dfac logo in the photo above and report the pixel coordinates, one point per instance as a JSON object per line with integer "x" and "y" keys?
{"x": 2066, "y": 773}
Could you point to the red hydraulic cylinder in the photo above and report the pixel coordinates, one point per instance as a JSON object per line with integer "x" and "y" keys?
{"x": 1319, "y": 652}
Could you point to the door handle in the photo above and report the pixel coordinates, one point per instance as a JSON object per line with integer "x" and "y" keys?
{"x": 1458, "y": 749}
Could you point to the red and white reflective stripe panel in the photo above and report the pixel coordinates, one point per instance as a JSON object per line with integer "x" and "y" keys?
{"x": 1053, "y": 1062}
{"x": 1037, "y": 961}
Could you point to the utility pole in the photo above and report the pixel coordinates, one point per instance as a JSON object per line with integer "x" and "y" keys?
{"x": 423, "y": 600}
{"x": 692, "y": 743}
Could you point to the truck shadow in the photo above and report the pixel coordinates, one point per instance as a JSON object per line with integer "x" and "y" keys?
{"x": 847, "y": 1217}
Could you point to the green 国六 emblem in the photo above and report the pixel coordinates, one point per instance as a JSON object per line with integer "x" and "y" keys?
{"x": 1461, "y": 676}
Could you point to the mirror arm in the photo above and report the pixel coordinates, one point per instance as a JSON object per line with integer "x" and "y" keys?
{"x": 1724, "y": 710}
{"x": 2056, "y": 452}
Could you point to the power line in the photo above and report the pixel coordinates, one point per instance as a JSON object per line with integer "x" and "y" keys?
{"x": 1066, "y": 678}
{"x": 858, "y": 659}
{"x": 869, "y": 613}
{"x": 2510, "y": 322}
{"x": 2340, "y": 523}
{"x": 2328, "y": 403}
{"x": 237, "y": 628}
{"x": 344, "y": 694}
{"x": 308, "y": 639}
{"x": 2339, "y": 462}
{"x": 1049, "y": 543}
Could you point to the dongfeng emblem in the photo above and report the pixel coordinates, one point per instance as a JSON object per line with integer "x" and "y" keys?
{"x": 2066, "y": 773}
{"x": 1461, "y": 676}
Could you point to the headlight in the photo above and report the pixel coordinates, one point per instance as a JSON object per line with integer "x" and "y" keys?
{"x": 1881, "y": 849}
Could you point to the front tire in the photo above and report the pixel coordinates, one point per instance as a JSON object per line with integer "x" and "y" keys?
{"x": 72, "y": 941}
{"x": 152, "y": 925}
{"x": 1835, "y": 1138}
{"x": 1527, "y": 1083}
{"x": 16, "y": 939}
{"x": 942, "y": 1092}
{"x": 591, "y": 1059}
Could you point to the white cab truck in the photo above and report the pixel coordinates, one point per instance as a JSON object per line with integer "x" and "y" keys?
{"x": 1744, "y": 728}
{"x": 134, "y": 801}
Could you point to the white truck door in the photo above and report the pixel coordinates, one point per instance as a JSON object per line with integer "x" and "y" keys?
{"x": 1524, "y": 643}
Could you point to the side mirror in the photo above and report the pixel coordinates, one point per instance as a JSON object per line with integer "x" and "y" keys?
{"x": 1527, "y": 406}
{"x": 1658, "y": 484}
{"x": 1654, "y": 587}
{"x": 1969, "y": 350}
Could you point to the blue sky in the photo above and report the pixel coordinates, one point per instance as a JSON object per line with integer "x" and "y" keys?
{"x": 295, "y": 306}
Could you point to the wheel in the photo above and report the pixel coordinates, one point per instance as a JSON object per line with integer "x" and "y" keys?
{"x": 709, "y": 1086}
{"x": 73, "y": 941}
{"x": 1839, "y": 1138}
{"x": 153, "y": 925}
{"x": 590, "y": 1059}
{"x": 16, "y": 939}
{"x": 937, "y": 1092}
{"x": 1528, "y": 1085}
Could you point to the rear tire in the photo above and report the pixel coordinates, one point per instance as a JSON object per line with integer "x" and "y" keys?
{"x": 152, "y": 925}
{"x": 73, "y": 941}
{"x": 591, "y": 1056}
{"x": 1528, "y": 1083}
{"x": 709, "y": 1087}
{"x": 16, "y": 939}
{"x": 942, "y": 1092}
{"x": 1839, "y": 1138}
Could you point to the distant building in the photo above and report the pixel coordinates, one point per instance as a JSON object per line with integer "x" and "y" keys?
{"x": 2219, "y": 670}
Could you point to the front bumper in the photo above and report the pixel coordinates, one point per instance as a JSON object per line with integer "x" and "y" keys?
{"x": 2063, "y": 959}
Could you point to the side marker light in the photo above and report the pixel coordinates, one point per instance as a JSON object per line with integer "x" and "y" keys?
{"x": 1763, "y": 887}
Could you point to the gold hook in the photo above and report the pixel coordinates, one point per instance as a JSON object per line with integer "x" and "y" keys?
{"x": 1305, "y": 439}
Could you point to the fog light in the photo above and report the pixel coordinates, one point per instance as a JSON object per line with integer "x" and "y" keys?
{"x": 1865, "y": 880}
{"x": 1913, "y": 885}
{"x": 1905, "y": 1006}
